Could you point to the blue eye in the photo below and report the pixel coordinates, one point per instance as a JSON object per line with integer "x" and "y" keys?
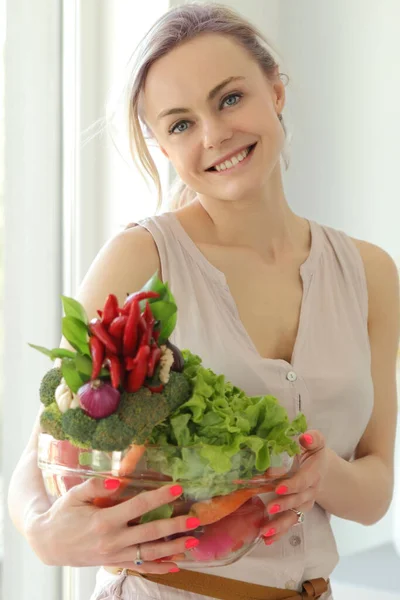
{"x": 177, "y": 125}
{"x": 232, "y": 96}
{"x": 172, "y": 130}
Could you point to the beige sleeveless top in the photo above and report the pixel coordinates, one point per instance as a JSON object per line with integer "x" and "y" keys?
{"x": 329, "y": 378}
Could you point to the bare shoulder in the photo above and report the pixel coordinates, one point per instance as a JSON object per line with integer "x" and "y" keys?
{"x": 382, "y": 276}
{"x": 123, "y": 265}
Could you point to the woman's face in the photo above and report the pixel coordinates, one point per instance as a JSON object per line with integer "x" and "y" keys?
{"x": 207, "y": 123}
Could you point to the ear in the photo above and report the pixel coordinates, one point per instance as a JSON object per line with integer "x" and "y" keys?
{"x": 279, "y": 92}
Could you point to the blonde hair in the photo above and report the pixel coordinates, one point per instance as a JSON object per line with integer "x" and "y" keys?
{"x": 176, "y": 26}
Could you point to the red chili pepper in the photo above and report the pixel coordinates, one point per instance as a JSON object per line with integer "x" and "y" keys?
{"x": 137, "y": 376}
{"x": 116, "y": 370}
{"x": 155, "y": 389}
{"x": 149, "y": 320}
{"x": 129, "y": 363}
{"x": 131, "y": 329}
{"x": 111, "y": 310}
{"x": 139, "y": 296}
{"x": 142, "y": 325}
{"x": 97, "y": 352}
{"x": 155, "y": 356}
{"x": 117, "y": 326}
{"x": 98, "y": 329}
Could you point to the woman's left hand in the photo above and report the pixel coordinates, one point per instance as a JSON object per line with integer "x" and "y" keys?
{"x": 300, "y": 491}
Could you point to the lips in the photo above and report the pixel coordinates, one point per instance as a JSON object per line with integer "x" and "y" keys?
{"x": 222, "y": 161}
{"x": 251, "y": 148}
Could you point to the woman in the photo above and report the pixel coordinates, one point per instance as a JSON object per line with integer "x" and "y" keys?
{"x": 277, "y": 303}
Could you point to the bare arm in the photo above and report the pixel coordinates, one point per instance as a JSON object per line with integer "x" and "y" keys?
{"x": 122, "y": 266}
{"x": 362, "y": 490}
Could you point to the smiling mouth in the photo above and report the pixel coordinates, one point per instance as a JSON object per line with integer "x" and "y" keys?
{"x": 250, "y": 148}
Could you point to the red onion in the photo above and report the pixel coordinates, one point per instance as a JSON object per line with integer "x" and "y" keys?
{"x": 98, "y": 399}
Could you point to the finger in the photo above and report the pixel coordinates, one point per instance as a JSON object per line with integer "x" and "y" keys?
{"x": 306, "y": 477}
{"x": 290, "y": 501}
{"x": 149, "y": 551}
{"x": 312, "y": 440}
{"x": 143, "y": 503}
{"x": 147, "y": 567}
{"x": 92, "y": 489}
{"x": 282, "y": 524}
{"x": 156, "y": 530}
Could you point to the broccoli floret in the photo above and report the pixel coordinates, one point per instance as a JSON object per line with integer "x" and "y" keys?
{"x": 78, "y": 427}
{"x": 49, "y": 384}
{"x": 141, "y": 412}
{"x": 111, "y": 434}
{"x": 177, "y": 391}
{"x": 50, "y": 421}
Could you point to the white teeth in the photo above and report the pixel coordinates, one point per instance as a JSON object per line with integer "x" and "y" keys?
{"x": 232, "y": 161}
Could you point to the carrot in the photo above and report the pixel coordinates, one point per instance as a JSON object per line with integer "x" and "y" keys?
{"x": 219, "y": 507}
{"x": 131, "y": 459}
{"x": 127, "y": 467}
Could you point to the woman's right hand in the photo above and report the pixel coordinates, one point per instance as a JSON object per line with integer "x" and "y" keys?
{"x": 74, "y": 532}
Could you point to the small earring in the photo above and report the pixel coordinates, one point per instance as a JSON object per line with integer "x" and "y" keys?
{"x": 280, "y": 117}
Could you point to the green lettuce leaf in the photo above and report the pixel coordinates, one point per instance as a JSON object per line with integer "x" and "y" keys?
{"x": 221, "y": 435}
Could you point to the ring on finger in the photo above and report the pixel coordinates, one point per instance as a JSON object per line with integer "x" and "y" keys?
{"x": 300, "y": 516}
{"x": 138, "y": 560}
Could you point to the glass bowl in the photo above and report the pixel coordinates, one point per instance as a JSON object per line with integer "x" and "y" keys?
{"x": 230, "y": 528}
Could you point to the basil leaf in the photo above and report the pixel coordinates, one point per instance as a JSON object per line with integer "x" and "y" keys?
{"x": 84, "y": 365}
{"x": 73, "y": 308}
{"x": 71, "y": 375}
{"x": 167, "y": 327}
{"x": 162, "y": 311}
{"x": 76, "y": 332}
{"x": 154, "y": 284}
{"x": 55, "y": 352}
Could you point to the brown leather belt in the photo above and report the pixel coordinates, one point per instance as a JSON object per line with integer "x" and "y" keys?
{"x": 223, "y": 588}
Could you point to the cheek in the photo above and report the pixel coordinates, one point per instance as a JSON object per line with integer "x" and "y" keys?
{"x": 186, "y": 161}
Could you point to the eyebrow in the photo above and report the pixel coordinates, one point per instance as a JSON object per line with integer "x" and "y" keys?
{"x": 211, "y": 96}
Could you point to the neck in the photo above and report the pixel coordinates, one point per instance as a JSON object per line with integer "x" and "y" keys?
{"x": 265, "y": 224}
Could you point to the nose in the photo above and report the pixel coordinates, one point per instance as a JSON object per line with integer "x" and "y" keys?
{"x": 215, "y": 132}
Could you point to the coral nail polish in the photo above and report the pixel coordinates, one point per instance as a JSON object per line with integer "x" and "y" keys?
{"x": 192, "y": 522}
{"x": 111, "y": 484}
{"x": 282, "y": 489}
{"x": 174, "y": 570}
{"x": 270, "y": 532}
{"x": 191, "y": 543}
{"x": 274, "y": 509}
{"x": 308, "y": 438}
{"x": 176, "y": 490}
{"x": 268, "y": 542}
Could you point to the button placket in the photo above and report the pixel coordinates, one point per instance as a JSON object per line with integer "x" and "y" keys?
{"x": 291, "y": 376}
{"x": 295, "y": 540}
